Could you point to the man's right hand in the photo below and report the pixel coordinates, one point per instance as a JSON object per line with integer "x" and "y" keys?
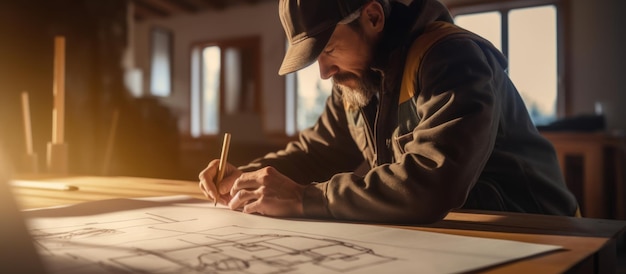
{"x": 208, "y": 185}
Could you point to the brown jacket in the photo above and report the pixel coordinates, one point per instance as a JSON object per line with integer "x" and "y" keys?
{"x": 448, "y": 130}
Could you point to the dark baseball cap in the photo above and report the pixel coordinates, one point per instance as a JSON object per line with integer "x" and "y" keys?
{"x": 308, "y": 25}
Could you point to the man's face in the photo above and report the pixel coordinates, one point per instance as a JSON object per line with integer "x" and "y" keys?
{"x": 346, "y": 59}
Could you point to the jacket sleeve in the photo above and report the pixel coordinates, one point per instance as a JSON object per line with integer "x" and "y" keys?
{"x": 458, "y": 111}
{"x": 323, "y": 150}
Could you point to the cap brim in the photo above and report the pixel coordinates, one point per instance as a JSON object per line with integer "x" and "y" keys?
{"x": 305, "y": 52}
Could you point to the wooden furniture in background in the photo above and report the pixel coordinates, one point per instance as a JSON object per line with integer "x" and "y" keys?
{"x": 593, "y": 166}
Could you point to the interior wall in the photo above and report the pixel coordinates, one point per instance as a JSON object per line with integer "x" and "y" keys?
{"x": 595, "y": 42}
{"x": 249, "y": 20}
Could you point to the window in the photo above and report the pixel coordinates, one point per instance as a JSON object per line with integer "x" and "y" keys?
{"x": 306, "y": 98}
{"x": 528, "y": 37}
{"x": 211, "y": 65}
{"x": 486, "y": 24}
{"x": 224, "y": 81}
{"x": 161, "y": 67}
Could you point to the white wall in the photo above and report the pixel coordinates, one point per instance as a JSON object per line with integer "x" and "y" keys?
{"x": 261, "y": 19}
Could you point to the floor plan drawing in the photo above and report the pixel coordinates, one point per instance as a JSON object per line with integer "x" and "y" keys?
{"x": 196, "y": 238}
{"x": 237, "y": 249}
{"x": 229, "y": 249}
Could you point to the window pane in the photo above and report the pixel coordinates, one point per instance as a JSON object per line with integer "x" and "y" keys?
{"x": 232, "y": 80}
{"x": 290, "y": 101}
{"x": 196, "y": 83}
{"x": 533, "y": 59}
{"x": 210, "y": 89}
{"x": 311, "y": 97}
{"x": 160, "y": 75}
{"x": 486, "y": 24}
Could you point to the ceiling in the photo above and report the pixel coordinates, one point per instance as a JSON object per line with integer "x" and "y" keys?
{"x": 154, "y": 9}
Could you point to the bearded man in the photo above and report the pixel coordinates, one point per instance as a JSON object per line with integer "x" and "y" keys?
{"x": 422, "y": 120}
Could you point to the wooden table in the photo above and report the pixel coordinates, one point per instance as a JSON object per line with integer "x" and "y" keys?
{"x": 589, "y": 244}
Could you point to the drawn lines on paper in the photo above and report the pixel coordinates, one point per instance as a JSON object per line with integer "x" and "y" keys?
{"x": 155, "y": 245}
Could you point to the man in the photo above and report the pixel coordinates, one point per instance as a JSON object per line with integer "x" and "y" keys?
{"x": 423, "y": 119}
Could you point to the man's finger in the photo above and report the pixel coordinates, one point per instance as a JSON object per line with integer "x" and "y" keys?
{"x": 206, "y": 182}
{"x": 252, "y": 207}
{"x": 207, "y": 191}
{"x": 241, "y": 198}
{"x": 248, "y": 180}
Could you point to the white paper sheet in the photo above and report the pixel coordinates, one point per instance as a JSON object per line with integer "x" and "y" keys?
{"x": 183, "y": 235}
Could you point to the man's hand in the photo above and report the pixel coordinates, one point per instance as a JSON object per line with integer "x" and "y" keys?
{"x": 207, "y": 182}
{"x": 267, "y": 192}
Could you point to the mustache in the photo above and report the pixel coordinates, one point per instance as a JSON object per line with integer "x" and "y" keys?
{"x": 342, "y": 77}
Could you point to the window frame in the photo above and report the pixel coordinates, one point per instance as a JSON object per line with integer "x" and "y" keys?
{"x": 252, "y": 43}
{"x": 292, "y": 99}
{"x": 563, "y": 107}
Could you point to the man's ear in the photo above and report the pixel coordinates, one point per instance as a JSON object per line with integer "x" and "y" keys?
{"x": 373, "y": 17}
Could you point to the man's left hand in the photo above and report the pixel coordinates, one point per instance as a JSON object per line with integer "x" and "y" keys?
{"x": 267, "y": 192}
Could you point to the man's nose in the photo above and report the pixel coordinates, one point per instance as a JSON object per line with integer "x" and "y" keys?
{"x": 327, "y": 68}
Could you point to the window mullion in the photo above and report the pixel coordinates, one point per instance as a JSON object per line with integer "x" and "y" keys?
{"x": 505, "y": 32}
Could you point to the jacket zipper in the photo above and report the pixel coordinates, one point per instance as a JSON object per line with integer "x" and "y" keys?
{"x": 373, "y": 133}
{"x": 380, "y": 116}
{"x": 370, "y": 135}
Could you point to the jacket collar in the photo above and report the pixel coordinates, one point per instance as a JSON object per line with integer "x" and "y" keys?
{"x": 406, "y": 21}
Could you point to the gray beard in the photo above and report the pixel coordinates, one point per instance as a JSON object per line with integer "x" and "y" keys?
{"x": 354, "y": 99}
{"x": 360, "y": 96}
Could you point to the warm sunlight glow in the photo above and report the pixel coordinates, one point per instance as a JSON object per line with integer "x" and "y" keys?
{"x": 532, "y": 53}
{"x": 210, "y": 89}
{"x": 533, "y": 60}
{"x": 312, "y": 93}
{"x": 485, "y": 24}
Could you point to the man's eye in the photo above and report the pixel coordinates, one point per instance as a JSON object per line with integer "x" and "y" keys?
{"x": 329, "y": 51}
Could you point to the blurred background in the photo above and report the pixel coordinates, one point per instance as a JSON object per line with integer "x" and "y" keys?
{"x": 152, "y": 85}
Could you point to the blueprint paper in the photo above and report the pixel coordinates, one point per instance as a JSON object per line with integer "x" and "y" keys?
{"x": 179, "y": 234}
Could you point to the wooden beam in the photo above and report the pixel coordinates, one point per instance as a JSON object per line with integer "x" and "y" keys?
{"x": 147, "y": 10}
{"x": 183, "y": 4}
{"x": 216, "y": 4}
{"x": 164, "y": 6}
{"x": 200, "y": 4}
